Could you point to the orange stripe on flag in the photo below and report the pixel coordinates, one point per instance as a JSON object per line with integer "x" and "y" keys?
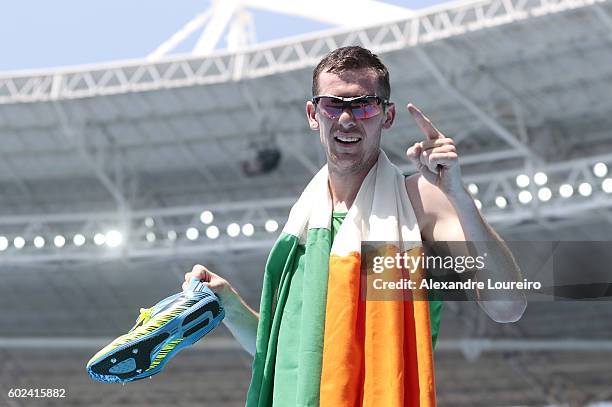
{"x": 375, "y": 353}
{"x": 344, "y": 329}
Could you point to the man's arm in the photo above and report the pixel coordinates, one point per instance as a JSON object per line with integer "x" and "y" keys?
{"x": 447, "y": 213}
{"x": 240, "y": 319}
{"x": 457, "y": 219}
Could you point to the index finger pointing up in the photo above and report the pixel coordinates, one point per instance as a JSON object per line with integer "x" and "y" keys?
{"x": 424, "y": 123}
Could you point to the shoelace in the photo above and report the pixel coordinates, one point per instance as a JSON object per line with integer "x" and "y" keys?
{"x": 143, "y": 318}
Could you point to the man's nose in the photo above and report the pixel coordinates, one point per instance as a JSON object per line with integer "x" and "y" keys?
{"x": 346, "y": 119}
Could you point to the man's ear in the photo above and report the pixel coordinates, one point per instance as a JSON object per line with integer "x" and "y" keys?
{"x": 311, "y": 116}
{"x": 389, "y": 116}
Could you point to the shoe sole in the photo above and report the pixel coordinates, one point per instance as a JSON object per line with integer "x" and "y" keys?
{"x": 145, "y": 356}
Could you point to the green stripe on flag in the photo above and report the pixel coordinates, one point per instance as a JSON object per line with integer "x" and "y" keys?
{"x": 292, "y": 319}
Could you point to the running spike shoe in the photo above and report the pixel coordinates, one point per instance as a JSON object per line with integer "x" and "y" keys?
{"x": 159, "y": 333}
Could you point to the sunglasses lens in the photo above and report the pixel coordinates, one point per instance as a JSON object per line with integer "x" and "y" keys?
{"x": 362, "y": 108}
{"x": 365, "y": 110}
{"x": 331, "y": 107}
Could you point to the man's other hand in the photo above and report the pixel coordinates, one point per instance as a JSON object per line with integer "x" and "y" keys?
{"x": 217, "y": 284}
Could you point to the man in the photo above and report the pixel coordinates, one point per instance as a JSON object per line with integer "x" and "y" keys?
{"x": 350, "y": 108}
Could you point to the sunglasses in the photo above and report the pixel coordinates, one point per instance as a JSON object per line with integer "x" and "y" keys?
{"x": 362, "y": 107}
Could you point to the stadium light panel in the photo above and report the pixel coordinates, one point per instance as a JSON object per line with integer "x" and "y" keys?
{"x": 59, "y": 241}
{"x": 233, "y": 229}
{"x": 192, "y": 233}
{"x": 212, "y": 232}
{"x": 540, "y": 178}
{"x": 525, "y": 197}
{"x": 206, "y": 217}
{"x": 544, "y": 194}
{"x": 99, "y": 239}
{"x": 566, "y": 190}
{"x": 248, "y": 229}
{"x": 600, "y": 170}
{"x": 606, "y": 185}
{"x": 522, "y": 180}
{"x": 271, "y": 225}
{"x": 4, "y": 243}
{"x": 585, "y": 189}
{"x": 78, "y": 240}
{"x": 19, "y": 242}
{"x": 501, "y": 202}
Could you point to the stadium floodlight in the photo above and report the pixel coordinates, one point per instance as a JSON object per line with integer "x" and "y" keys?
{"x": 540, "y": 178}
{"x": 585, "y": 189}
{"x": 473, "y": 188}
{"x": 544, "y": 194}
{"x": 78, "y": 240}
{"x": 248, "y": 229}
{"x": 19, "y": 242}
{"x": 39, "y": 242}
{"x": 192, "y": 233}
{"x": 566, "y": 190}
{"x": 150, "y": 236}
{"x": 212, "y": 232}
{"x": 501, "y": 202}
{"x": 149, "y": 222}
{"x": 99, "y": 239}
{"x": 271, "y": 225}
{"x": 233, "y": 229}
{"x": 172, "y": 235}
{"x": 522, "y": 180}
{"x": 606, "y": 185}
{"x": 525, "y": 197}
{"x": 4, "y": 243}
{"x": 59, "y": 241}
{"x": 478, "y": 203}
{"x": 113, "y": 238}
{"x": 600, "y": 170}
{"x": 206, "y": 217}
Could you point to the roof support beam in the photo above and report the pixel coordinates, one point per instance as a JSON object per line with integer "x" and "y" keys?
{"x": 603, "y": 16}
{"x": 180, "y": 35}
{"x": 341, "y": 13}
{"x": 76, "y": 138}
{"x": 491, "y": 123}
{"x": 19, "y": 182}
{"x": 217, "y": 24}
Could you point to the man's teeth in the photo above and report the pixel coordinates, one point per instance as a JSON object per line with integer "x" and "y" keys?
{"x": 347, "y": 139}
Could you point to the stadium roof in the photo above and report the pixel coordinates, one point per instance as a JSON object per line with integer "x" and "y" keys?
{"x": 522, "y": 86}
{"x": 147, "y": 146}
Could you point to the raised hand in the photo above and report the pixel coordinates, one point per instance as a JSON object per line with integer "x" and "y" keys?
{"x": 435, "y": 157}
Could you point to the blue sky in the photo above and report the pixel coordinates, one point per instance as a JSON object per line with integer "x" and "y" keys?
{"x": 38, "y": 34}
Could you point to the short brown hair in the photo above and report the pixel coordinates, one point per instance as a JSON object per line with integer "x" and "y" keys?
{"x": 349, "y": 58}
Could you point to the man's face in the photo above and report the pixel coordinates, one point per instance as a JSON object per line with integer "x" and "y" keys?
{"x": 342, "y": 156}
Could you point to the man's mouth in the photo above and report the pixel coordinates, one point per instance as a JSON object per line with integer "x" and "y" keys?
{"x": 347, "y": 139}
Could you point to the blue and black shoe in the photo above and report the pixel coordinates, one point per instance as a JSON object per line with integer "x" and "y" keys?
{"x": 159, "y": 333}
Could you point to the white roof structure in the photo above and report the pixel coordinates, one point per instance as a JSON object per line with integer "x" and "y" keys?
{"x": 150, "y": 148}
{"x": 523, "y": 86}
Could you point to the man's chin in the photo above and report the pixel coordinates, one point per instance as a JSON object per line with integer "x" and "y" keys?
{"x": 345, "y": 165}
{"x": 348, "y": 163}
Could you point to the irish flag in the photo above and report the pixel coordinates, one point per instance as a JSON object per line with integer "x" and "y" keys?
{"x": 320, "y": 342}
